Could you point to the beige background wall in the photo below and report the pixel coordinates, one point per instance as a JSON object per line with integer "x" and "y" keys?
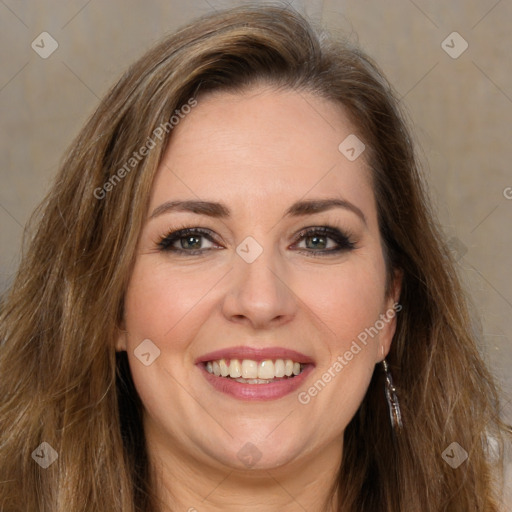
{"x": 461, "y": 109}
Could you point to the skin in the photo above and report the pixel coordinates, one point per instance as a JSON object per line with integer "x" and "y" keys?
{"x": 257, "y": 152}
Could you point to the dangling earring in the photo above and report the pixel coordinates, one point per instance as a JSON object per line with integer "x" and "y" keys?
{"x": 392, "y": 399}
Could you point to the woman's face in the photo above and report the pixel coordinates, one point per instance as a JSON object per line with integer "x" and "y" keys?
{"x": 246, "y": 285}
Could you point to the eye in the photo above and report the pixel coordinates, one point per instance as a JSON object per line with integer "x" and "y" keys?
{"x": 187, "y": 240}
{"x": 321, "y": 240}
{"x": 324, "y": 240}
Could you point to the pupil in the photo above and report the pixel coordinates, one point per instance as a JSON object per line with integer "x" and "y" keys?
{"x": 190, "y": 245}
{"x": 315, "y": 240}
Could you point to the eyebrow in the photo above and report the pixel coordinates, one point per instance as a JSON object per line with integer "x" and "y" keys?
{"x": 219, "y": 210}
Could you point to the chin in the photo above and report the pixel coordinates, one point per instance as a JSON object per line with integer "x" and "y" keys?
{"x": 256, "y": 453}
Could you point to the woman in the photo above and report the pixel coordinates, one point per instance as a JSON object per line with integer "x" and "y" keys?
{"x": 237, "y": 298}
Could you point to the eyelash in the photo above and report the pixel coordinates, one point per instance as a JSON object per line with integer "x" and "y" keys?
{"x": 342, "y": 240}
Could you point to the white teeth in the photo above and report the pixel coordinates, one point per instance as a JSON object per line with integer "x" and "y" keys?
{"x": 254, "y": 381}
{"x": 249, "y": 369}
{"x": 254, "y": 372}
{"x": 266, "y": 370}
{"x": 279, "y": 368}
{"x": 224, "y": 370}
{"x": 235, "y": 369}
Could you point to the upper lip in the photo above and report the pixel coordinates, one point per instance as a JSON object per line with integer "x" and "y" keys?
{"x": 255, "y": 354}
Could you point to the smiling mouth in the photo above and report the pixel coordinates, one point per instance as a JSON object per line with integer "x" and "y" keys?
{"x": 249, "y": 371}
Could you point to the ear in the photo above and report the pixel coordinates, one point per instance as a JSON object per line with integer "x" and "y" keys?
{"x": 388, "y": 316}
{"x": 121, "y": 339}
{"x": 121, "y": 332}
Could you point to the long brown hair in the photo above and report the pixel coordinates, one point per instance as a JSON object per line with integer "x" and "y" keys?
{"x": 62, "y": 381}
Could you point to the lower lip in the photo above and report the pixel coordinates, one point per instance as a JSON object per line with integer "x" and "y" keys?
{"x": 270, "y": 391}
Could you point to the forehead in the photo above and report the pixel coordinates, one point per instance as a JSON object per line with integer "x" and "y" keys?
{"x": 261, "y": 144}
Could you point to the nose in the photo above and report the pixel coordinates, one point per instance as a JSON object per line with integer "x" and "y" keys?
{"x": 259, "y": 293}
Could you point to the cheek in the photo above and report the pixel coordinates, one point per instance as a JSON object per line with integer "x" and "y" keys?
{"x": 348, "y": 300}
{"x": 165, "y": 306}
{"x": 348, "y": 303}
{"x": 160, "y": 299}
